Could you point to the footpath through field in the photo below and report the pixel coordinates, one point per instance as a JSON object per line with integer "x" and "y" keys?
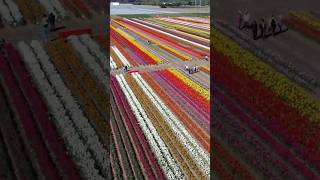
{"x": 178, "y": 64}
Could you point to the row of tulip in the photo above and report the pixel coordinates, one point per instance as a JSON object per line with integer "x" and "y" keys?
{"x": 98, "y": 5}
{"x": 192, "y": 37}
{"x": 10, "y": 12}
{"x": 201, "y": 33}
{"x": 128, "y": 160}
{"x": 91, "y": 61}
{"x": 89, "y": 94}
{"x": 177, "y": 150}
{"x": 277, "y": 82}
{"x": 80, "y": 137}
{"x": 304, "y": 23}
{"x": 143, "y": 151}
{"x": 199, "y": 155}
{"x": 232, "y": 129}
{"x": 289, "y": 127}
{"x": 147, "y": 56}
{"x": 191, "y": 84}
{"x": 201, "y": 20}
{"x": 183, "y": 100}
{"x": 55, "y": 7}
{"x": 31, "y": 10}
{"x": 307, "y": 19}
{"x": 97, "y": 51}
{"x": 193, "y": 127}
{"x": 164, "y": 158}
{"x": 182, "y": 22}
{"x": 164, "y": 31}
{"x": 152, "y": 39}
{"x": 11, "y": 70}
{"x": 14, "y": 155}
{"x": 120, "y": 56}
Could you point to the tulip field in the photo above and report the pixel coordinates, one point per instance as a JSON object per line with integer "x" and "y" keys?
{"x": 18, "y": 12}
{"x": 58, "y": 127}
{"x": 264, "y": 124}
{"x": 160, "y": 119}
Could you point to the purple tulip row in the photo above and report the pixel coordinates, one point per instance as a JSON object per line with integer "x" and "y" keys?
{"x": 183, "y": 101}
{"x": 145, "y": 155}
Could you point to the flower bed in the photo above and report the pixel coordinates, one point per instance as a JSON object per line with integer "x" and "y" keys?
{"x": 276, "y": 82}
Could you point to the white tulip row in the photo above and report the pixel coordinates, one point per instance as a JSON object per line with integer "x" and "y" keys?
{"x": 90, "y": 61}
{"x": 80, "y": 137}
{"x": 121, "y": 57}
{"x": 199, "y": 155}
{"x": 205, "y": 27}
{"x": 169, "y": 166}
{"x": 54, "y": 6}
{"x": 113, "y": 65}
{"x": 95, "y": 50}
{"x": 10, "y": 11}
{"x": 168, "y": 34}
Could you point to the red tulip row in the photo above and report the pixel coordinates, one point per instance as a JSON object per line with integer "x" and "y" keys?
{"x": 301, "y": 26}
{"x": 136, "y": 50}
{"x": 146, "y": 157}
{"x": 12, "y": 144}
{"x": 231, "y": 162}
{"x": 194, "y": 96}
{"x": 167, "y": 40}
{"x": 176, "y": 33}
{"x": 196, "y": 131}
{"x": 98, "y": 5}
{"x": 280, "y": 118}
{"x": 77, "y": 7}
{"x": 32, "y": 113}
{"x": 121, "y": 48}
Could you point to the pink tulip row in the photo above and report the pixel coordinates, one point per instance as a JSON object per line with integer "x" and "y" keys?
{"x": 40, "y": 133}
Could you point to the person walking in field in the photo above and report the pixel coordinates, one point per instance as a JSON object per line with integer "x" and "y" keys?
{"x": 254, "y": 26}
{"x": 44, "y": 27}
{"x": 280, "y": 23}
{"x": 246, "y": 20}
{"x": 239, "y": 19}
{"x": 273, "y": 25}
{"x": 52, "y": 20}
{"x": 263, "y": 28}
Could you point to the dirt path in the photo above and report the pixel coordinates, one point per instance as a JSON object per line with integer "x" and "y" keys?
{"x": 180, "y": 64}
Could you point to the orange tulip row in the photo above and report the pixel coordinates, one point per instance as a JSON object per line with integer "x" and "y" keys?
{"x": 88, "y": 95}
{"x": 31, "y": 10}
{"x": 178, "y": 151}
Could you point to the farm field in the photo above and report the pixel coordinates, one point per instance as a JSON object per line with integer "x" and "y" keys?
{"x": 53, "y": 125}
{"x": 160, "y": 117}
{"x": 267, "y": 109}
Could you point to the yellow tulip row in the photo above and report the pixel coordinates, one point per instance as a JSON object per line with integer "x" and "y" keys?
{"x": 201, "y": 33}
{"x": 277, "y": 82}
{"x": 89, "y": 93}
{"x": 157, "y": 59}
{"x": 171, "y": 50}
{"x": 178, "y": 151}
{"x": 306, "y": 18}
{"x": 31, "y": 10}
{"x": 191, "y": 84}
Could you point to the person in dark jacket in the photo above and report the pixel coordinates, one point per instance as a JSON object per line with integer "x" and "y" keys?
{"x": 273, "y": 25}
{"x": 263, "y": 28}
{"x": 254, "y": 29}
{"x": 52, "y": 21}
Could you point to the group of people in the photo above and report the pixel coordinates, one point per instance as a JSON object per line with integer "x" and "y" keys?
{"x": 47, "y": 24}
{"x": 266, "y": 28}
{"x": 192, "y": 70}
